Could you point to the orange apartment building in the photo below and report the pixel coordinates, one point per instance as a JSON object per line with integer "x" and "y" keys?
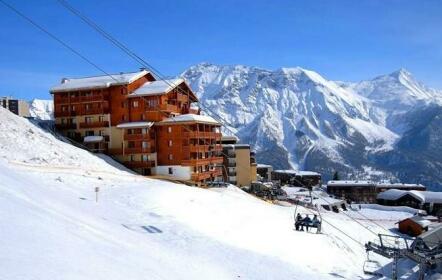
{"x": 148, "y": 125}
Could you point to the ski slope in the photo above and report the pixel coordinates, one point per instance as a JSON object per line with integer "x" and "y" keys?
{"x": 141, "y": 228}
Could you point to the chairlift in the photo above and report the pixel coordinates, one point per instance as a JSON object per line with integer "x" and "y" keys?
{"x": 372, "y": 267}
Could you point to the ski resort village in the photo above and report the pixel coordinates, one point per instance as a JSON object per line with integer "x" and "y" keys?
{"x": 112, "y": 170}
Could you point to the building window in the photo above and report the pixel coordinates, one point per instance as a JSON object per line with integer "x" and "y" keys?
{"x": 88, "y": 119}
{"x": 170, "y": 170}
{"x": 101, "y": 132}
{"x": 132, "y": 158}
{"x": 123, "y": 91}
{"x": 170, "y": 157}
{"x": 170, "y": 143}
{"x": 88, "y": 106}
{"x": 131, "y": 144}
{"x": 73, "y": 108}
{"x": 101, "y": 118}
{"x": 63, "y": 121}
{"x": 169, "y": 129}
{"x": 144, "y": 130}
{"x": 129, "y": 131}
{"x": 145, "y": 145}
{"x": 123, "y": 117}
{"x": 135, "y": 104}
{"x": 144, "y": 158}
{"x": 64, "y": 108}
{"x": 90, "y": 133}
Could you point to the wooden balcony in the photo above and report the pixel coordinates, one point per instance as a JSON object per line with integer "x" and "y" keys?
{"x": 140, "y": 164}
{"x": 201, "y": 134}
{"x": 139, "y": 150}
{"x": 135, "y": 137}
{"x": 78, "y": 99}
{"x": 94, "y": 124}
{"x": 62, "y": 126}
{"x": 206, "y": 175}
{"x": 115, "y": 151}
{"x": 202, "y": 161}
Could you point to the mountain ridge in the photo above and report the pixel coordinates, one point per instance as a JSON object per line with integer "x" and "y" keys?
{"x": 310, "y": 122}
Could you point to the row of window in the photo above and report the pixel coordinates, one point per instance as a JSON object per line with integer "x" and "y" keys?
{"x": 87, "y": 106}
{"x": 86, "y": 120}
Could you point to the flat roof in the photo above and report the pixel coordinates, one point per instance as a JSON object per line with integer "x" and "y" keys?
{"x": 97, "y": 82}
{"x": 93, "y": 139}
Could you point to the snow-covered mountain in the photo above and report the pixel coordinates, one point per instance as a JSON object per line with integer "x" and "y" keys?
{"x": 42, "y": 109}
{"x": 295, "y": 118}
{"x": 141, "y": 228}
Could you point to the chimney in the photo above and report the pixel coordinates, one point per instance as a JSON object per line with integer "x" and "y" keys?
{"x": 64, "y": 80}
{"x": 142, "y": 68}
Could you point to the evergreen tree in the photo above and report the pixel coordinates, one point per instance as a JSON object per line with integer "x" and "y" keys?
{"x": 336, "y": 176}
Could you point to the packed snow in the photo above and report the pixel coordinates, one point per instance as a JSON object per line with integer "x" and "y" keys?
{"x": 156, "y": 87}
{"x": 140, "y": 228}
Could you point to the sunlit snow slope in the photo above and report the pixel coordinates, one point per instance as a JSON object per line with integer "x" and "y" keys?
{"x": 52, "y": 227}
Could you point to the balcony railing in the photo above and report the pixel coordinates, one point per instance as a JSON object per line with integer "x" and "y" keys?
{"x": 139, "y": 150}
{"x": 94, "y": 124}
{"x": 77, "y": 99}
{"x": 202, "y": 161}
{"x": 62, "y": 126}
{"x": 201, "y": 134}
{"x": 134, "y": 137}
{"x": 163, "y": 107}
{"x": 139, "y": 164}
{"x": 205, "y": 175}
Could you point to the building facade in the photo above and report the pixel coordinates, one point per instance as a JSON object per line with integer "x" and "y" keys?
{"x": 149, "y": 126}
{"x": 239, "y": 163}
{"x": 365, "y": 191}
{"x": 16, "y": 106}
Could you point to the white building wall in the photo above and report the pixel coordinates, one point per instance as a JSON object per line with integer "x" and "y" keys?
{"x": 178, "y": 171}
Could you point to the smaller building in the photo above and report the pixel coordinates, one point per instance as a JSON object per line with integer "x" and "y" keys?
{"x": 297, "y": 178}
{"x": 365, "y": 191}
{"x": 264, "y": 171}
{"x": 414, "y": 226}
{"x": 431, "y": 202}
{"x": 16, "y": 106}
{"x": 239, "y": 162}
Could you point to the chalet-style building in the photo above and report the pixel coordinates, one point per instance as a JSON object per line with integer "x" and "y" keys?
{"x": 431, "y": 202}
{"x": 150, "y": 126}
{"x": 264, "y": 171}
{"x": 297, "y": 178}
{"x": 365, "y": 191}
{"x": 413, "y": 226}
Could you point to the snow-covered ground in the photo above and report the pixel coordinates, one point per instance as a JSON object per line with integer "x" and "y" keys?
{"x": 140, "y": 228}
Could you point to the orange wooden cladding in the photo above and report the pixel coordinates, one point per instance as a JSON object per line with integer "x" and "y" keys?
{"x": 94, "y": 124}
{"x": 177, "y": 145}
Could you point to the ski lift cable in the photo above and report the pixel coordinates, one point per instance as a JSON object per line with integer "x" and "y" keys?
{"x": 54, "y": 37}
{"x": 130, "y": 53}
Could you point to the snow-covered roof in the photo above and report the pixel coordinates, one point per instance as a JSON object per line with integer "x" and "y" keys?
{"x": 419, "y": 220}
{"x": 260, "y": 165}
{"x": 400, "y": 185}
{"x": 98, "y": 81}
{"x": 292, "y": 172}
{"x": 422, "y": 196}
{"x": 91, "y": 139}
{"x": 135, "y": 125}
{"x": 433, "y": 237}
{"x": 350, "y": 183}
{"x": 191, "y": 118}
{"x": 156, "y": 87}
{"x": 299, "y": 173}
{"x": 392, "y": 194}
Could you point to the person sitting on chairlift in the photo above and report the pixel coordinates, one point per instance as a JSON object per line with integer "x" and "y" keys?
{"x": 306, "y": 221}
{"x": 298, "y": 222}
{"x": 316, "y": 223}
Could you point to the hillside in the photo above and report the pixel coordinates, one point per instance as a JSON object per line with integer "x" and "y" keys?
{"x": 142, "y": 227}
{"x": 295, "y": 118}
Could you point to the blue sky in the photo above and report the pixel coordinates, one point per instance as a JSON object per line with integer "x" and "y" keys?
{"x": 342, "y": 40}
